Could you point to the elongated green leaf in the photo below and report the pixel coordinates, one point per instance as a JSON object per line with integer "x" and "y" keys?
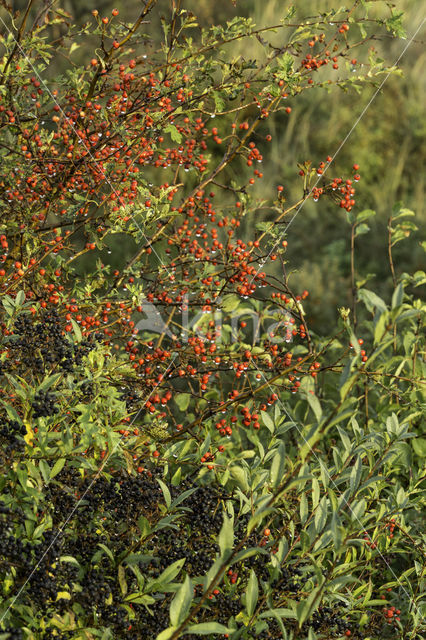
{"x": 107, "y": 551}
{"x": 181, "y": 603}
{"x": 122, "y": 579}
{"x": 372, "y": 300}
{"x": 166, "y": 634}
{"x": 57, "y": 467}
{"x": 166, "y": 492}
{"x": 205, "y": 628}
{"x": 226, "y": 535}
{"x": 144, "y": 526}
{"x": 303, "y": 508}
{"x": 397, "y": 296}
{"x": 315, "y": 405}
{"x": 77, "y": 330}
{"x": 20, "y": 298}
{"x": 49, "y": 382}
{"x": 278, "y": 466}
{"x": 355, "y": 477}
{"x": 380, "y": 327}
{"x": 166, "y": 576}
{"x": 267, "y": 421}
{"x": 315, "y": 493}
{"x": 252, "y": 593}
{"x": 182, "y": 497}
{"x": 321, "y": 515}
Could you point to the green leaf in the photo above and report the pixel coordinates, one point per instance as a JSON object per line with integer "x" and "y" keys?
{"x": 77, "y": 330}
{"x": 219, "y": 101}
{"x": 315, "y": 493}
{"x": 402, "y": 213}
{"x": 73, "y": 48}
{"x": 380, "y": 327}
{"x": 394, "y": 24}
{"x": 355, "y": 477}
{"x": 8, "y": 304}
{"x": 278, "y": 466}
{"x": 258, "y": 517}
{"x": 252, "y": 593}
{"x": 304, "y": 511}
{"x": 419, "y": 446}
{"x": 246, "y": 553}
{"x": 240, "y": 475}
{"x": 70, "y": 559}
{"x": 49, "y": 382}
{"x": 281, "y": 612}
{"x": 144, "y": 526}
{"x": 122, "y": 579}
{"x": 11, "y": 411}
{"x": 306, "y": 607}
{"x": 347, "y": 385}
{"x": 179, "y": 606}
{"x": 267, "y": 421}
{"x": 137, "y": 598}
{"x": 397, "y": 296}
{"x": 230, "y": 303}
{"x": 182, "y": 400}
{"x": 107, "y": 551}
{"x": 57, "y": 467}
{"x": 166, "y": 493}
{"x": 365, "y": 215}
{"x": 20, "y": 298}
{"x": 182, "y": 497}
{"x": 171, "y": 571}
{"x": 166, "y": 634}
{"x": 226, "y": 535}
{"x": 175, "y": 135}
{"x": 44, "y": 470}
{"x": 371, "y": 300}
{"x": 335, "y": 531}
{"x": 315, "y": 405}
{"x": 361, "y": 229}
{"x": 205, "y": 628}
{"x": 321, "y": 515}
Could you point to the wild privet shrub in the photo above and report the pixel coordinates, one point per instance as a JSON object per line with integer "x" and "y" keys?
{"x": 181, "y": 456}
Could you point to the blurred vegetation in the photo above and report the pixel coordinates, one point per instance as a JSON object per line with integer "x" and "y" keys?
{"x": 386, "y": 143}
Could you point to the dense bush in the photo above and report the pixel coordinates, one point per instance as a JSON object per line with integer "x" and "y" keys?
{"x": 182, "y": 455}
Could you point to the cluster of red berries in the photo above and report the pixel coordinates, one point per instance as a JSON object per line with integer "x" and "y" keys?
{"x": 391, "y": 526}
{"x": 369, "y": 542}
{"x": 391, "y": 614}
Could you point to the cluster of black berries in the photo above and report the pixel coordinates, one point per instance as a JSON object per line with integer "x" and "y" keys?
{"x": 171, "y": 545}
{"x": 11, "y": 437}
{"x": 14, "y": 552}
{"x": 226, "y": 606}
{"x": 292, "y": 579}
{"x": 328, "y": 619}
{"x": 205, "y": 513}
{"x": 113, "y": 503}
{"x": 95, "y": 587}
{"x": 43, "y": 405}
{"x": 59, "y": 501}
{"x": 132, "y": 398}
{"x": 42, "y": 345}
{"x": 121, "y": 500}
{"x": 87, "y": 390}
{"x": 14, "y": 634}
